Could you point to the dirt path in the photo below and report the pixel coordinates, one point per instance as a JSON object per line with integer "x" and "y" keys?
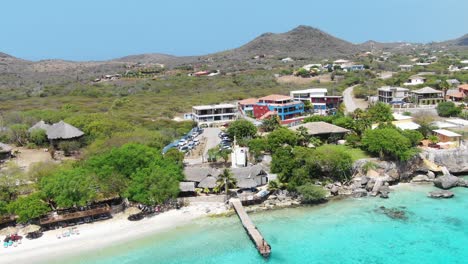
{"x": 352, "y": 103}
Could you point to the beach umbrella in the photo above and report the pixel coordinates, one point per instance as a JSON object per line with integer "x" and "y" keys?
{"x": 30, "y": 229}
{"x": 132, "y": 211}
{"x": 8, "y": 230}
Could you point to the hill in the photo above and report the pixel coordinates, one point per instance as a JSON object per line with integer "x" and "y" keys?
{"x": 301, "y": 42}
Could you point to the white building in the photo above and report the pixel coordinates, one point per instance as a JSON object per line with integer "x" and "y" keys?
{"x": 214, "y": 113}
{"x": 239, "y": 157}
{"x": 415, "y": 80}
{"x": 317, "y": 97}
{"x": 388, "y": 94}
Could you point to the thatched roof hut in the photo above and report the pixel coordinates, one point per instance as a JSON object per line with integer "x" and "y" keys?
{"x": 197, "y": 174}
{"x": 62, "y": 130}
{"x": 187, "y": 187}
{"x": 208, "y": 182}
{"x": 39, "y": 125}
{"x": 250, "y": 177}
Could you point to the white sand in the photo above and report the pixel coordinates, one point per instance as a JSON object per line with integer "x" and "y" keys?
{"x": 102, "y": 234}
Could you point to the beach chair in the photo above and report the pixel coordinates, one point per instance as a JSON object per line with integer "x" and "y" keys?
{"x": 10, "y": 243}
{"x": 59, "y": 236}
{"x": 5, "y": 244}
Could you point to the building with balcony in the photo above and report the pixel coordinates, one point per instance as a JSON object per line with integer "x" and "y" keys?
{"x": 246, "y": 106}
{"x": 318, "y": 98}
{"x": 281, "y": 105}
{"x": 427, "y": 96}
{"x": 393, "y": 95}
{"x": 214, "y": 113}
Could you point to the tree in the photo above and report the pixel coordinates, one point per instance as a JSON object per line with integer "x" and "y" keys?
{"x": 311, "y": 193}
{"x": 447, "y": 109}
{"x": 28, "y": 207}
{"x": 444, "y": 86}
{"x": 224, "y": 154}
{"x": 175, "y": 156}
{"x": 69, "y": 187}
{"x": 380, "y": 112}
{"x": 242, "y": 129}
{"x": 19, "y": 134}
{"x": 414, "y": 136}
{"x": 257, "y": 146}
{"x": 226, "y": 181}
{"x": 302, "y": 72}
{"x": 387, "y": 142}
{"x": 213, "y": 154}
{"x": 281, "y": 137}
{"x": 270, "y": 124}
{"x": 154, "y": 185}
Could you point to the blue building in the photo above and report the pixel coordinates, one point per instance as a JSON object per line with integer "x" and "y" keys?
{"x": 281, "y": 105}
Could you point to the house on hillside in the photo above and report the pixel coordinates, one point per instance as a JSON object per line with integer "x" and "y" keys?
{"x": 463, "y": 89}
{"x": 282, "y": 106}
{"x": 427, "y": 96}
{"x": 453, "y": 82}
{"x": 246, "y": 106}
{"x": 405, "y": 67}
{"x": 318, "y": 98}
{"x": 393, "y": 95}
{"x": 206, "y": 114}
{"x": 454, "y": 95}
{"x": 402, "y": 122}
{"x": 415, "y": 80}
{"x": 288, "y": 59}
{"x": 352, "y": 67}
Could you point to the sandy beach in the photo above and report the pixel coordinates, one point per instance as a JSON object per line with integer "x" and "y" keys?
{"x": 101, "y": 234}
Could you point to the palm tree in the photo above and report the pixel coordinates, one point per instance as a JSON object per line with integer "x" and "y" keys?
{"x": 226, "y": 180}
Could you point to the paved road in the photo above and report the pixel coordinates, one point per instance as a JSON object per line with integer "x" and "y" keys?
{"x": 348, "y": 99}
{"x": 212, "y": 139}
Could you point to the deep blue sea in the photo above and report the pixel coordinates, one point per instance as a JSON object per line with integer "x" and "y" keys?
{"x": 346, "y": 231}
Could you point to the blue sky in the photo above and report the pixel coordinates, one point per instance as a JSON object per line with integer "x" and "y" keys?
{"x": 105, "y": 29}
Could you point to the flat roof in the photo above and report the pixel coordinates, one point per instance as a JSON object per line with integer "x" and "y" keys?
{"x": 407, "y": 126}
{"x": 457, "y": 121}
{"x": 441, "y": 124}
{"x": 206, "y": 107}
{"x": 391, "y": 88}
{"x": 447, "y": 133}
{"x": 399, "y": 117}
{"x": 311, "y": 90}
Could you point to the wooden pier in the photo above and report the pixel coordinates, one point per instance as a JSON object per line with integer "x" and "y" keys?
{"x": 262, "y": 246}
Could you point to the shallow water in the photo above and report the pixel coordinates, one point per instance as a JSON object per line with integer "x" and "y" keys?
{"x": 347, "y": 231}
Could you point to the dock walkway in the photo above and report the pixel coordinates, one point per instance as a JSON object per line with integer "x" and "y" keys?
{"x": 262, "y": 246}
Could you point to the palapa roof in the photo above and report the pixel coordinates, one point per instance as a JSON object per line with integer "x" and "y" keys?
{"x": 248, "y": 177}
{"x": 427, "y": 90}
{"x": 208, "y": 182}
{"x": 187, "y": 186}
{"x": 39, "y": 125}
{"x": 320, "y": 128}
{"x": 197, "y": 174}
{"x": 62, "y": 130}
{"x": 246, "y": 183}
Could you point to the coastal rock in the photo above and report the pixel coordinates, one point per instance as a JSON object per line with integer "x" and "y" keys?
{"x": 462, "y": 182}
{"x": 421, "y": 178}
{"x": 364, "y": 180}
{"x": 357, "y": 193}
{"x": 272, "y": 197}
{"x": 394, "y": 213}
{"x": 384, "y": 191}
{"x": 441, "y": 194}
{"x": 431, "y": 175}
{"x": 446, "y": 182}
{"x": 334, "y": 190}
{"x": 456, "y": 160}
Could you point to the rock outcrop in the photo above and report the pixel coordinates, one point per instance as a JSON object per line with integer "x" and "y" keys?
{"x": 449, "y": 181}
{"x": 455, "y": 160}
{"x": 441, "y": 194}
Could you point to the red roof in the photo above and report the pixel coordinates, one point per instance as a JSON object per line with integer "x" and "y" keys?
{"x": 463, "y": 87}
{"x": 248, "y": 101}
{"x": 275, "y": 97}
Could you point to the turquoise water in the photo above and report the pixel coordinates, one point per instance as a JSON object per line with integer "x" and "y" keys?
{"x": 347, "y": 231}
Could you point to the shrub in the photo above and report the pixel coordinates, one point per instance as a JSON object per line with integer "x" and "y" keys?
{"x": 38, "y": 137}
{"x": 68, "y": 147}
{"x": 447, "y": 109}
{"x": 311, "y": 193}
